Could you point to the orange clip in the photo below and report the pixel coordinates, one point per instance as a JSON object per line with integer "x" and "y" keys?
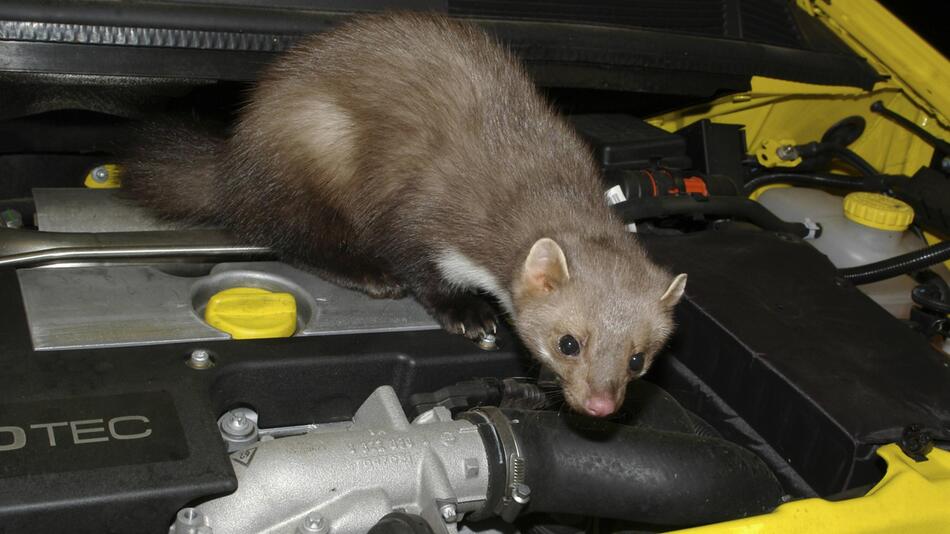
{"x": 695, "y": 185}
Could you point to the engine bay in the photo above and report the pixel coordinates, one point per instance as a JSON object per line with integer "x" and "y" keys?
{"x": 161, "y": 378}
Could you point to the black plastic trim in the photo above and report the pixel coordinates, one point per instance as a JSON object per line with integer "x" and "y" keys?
{"x": 557, "y": 53}
{"x": 97, "y": 34}
{"x": 127, "y": 61}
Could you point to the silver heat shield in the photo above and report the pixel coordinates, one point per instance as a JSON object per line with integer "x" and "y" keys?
{"x": 115, "y": 305}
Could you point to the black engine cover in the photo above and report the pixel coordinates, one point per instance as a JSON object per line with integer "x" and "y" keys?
{"x": 815, "y": 368}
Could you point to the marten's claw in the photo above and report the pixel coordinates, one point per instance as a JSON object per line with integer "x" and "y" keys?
{"x": 467, "y": 315}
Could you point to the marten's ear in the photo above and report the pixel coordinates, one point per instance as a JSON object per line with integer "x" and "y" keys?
{"x": 675, "y": 292}
{"x": 545, "y": 268}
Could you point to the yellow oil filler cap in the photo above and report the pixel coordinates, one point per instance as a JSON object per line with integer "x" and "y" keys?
{"x": 104, "y": 177}
{"x": 878, "y": 211}
{"x": 252, "y": 313}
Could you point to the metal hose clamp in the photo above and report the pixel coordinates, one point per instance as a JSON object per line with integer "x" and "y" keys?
{"x": 510, "y": 491}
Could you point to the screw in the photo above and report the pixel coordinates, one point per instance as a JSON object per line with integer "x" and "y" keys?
{"x": 314, "y": 523}
{"x": 787, "y": 153}
{"x": 237, "y": 424}
{"x": 188, "y": 521}
{"x": 945, "y": 164}
{"x": 449, "y": 512}
{"x": 488, "y": 342}
{"x": 200, "y": 359}
{"x": 916, "y": 442}
{"x": 189, "y": 516}
{"x": 239, "y": 428}
{"x": 521, "y": 493}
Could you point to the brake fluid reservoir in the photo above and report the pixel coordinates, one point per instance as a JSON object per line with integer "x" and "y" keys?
{"x": 862, "y": 228}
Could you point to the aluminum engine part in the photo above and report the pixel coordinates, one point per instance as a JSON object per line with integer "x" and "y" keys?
{"x": 22, "y": 248}
{"x": 354, "y": 475}
{"x": 92, "y": 210}
{"x": 115, "y": 305}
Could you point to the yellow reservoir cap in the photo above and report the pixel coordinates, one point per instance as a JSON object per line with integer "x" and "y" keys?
{"x": 104, "y": 177}
{"x": 878, "y": 211}
{"x": 252, "y": 313}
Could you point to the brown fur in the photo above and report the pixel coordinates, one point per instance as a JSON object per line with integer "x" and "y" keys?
{"x": 367, "y": 151}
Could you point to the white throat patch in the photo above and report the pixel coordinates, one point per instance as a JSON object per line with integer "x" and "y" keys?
{"x": 461, "y": 272}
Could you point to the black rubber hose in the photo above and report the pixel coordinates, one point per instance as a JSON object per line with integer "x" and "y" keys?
{"x": 853, "y": 159}
{"x": 593, "y": 467}
{"x": 931, "y": 278}
{"x": 903, "y": 264}
{"x": 650, "y": 406}
{"x": 928, "y": 296}
{"x": 702, "y": 428}
{"x": 736, "y": 207}
{"x": 876, "y": 183}
{"x": 933, "y": 293}
{"x": 836, "y": 151}
{"x": 878, "y": 107}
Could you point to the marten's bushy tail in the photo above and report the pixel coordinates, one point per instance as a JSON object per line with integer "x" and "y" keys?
{"x": 171, "y": 169}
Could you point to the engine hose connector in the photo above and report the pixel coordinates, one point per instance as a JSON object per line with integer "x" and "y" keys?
{"x": 508, "y": 492}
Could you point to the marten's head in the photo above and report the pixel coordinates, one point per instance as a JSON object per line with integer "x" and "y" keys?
{"x": 596, "y": 314}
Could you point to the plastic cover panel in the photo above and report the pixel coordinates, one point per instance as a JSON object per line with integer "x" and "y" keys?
{"x": 819, "y": 370}
{"x": 134, "y": 36}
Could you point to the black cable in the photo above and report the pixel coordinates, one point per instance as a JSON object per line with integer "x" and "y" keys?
{"x": 875, "y": 183}
{"x": 850, "y": 157}
{"x": 903, "y": 264}
{"x": 728, "y": 206}
{"x": 836, "y": 151}
{"x": 939, "y": 144}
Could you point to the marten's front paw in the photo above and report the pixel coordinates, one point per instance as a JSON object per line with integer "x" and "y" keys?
{"x": 468, "y": 315}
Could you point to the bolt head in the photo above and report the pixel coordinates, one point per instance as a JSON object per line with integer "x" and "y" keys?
{"x": 100, "y": 174}
{"x": 521, "y": 493}
{"x": 488, "y": 342}
{"x": 449, "y": 512}
{"x": 237, "y": 421}
{"x": 945, "y": 164}
{"x": 786, "y": 153}
{"x": 189, "y": 516}
{"x": 237, "y": 424}
{"x": 200, "y": 359}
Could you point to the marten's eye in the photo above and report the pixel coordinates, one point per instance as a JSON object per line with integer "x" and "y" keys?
{"x": 637, "y": 361}
{"x": 568, "y": 345}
